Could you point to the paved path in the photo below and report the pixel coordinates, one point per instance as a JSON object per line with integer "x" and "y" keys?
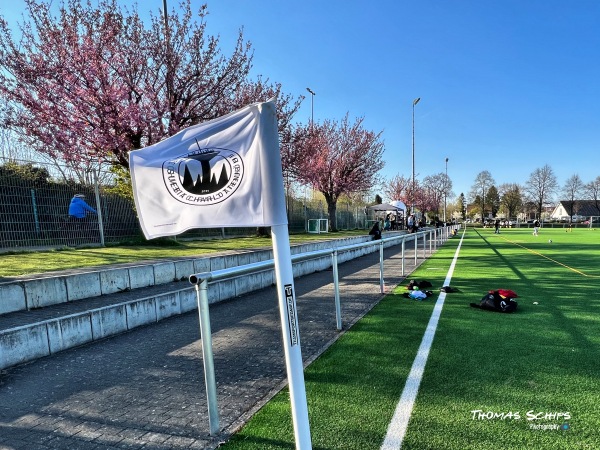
{"x": 145, "y": 389}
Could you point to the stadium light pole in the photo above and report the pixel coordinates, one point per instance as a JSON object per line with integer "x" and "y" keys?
{"x": 415, "y": 101}
{"x": 312, "y": 121}
{"x": 312, "y": 106}
{"x": 445, "y": 190}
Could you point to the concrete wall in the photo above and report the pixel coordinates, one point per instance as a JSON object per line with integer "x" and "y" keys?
{"x": 19, "y": 345}
{"x": 12, "y": 298}
{"x": 27, "y": 343}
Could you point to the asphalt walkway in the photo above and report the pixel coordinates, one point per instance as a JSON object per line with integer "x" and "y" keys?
{"x": 145, "y": 388}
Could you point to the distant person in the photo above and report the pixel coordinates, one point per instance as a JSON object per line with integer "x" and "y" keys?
{"x": 375, "y": 231}
{"x": 78, "y": 208}
{"x": 536, "y": 227}
{"x": 413, "y": 225}
{"x": 497, "y": 226}
{"x": 78, "y": 223}
{"x": 387, "y": 224}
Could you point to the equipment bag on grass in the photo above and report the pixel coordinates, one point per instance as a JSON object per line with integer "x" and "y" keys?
{"x": 493, "y": 301}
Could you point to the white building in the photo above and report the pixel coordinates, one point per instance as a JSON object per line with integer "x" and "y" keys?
{"x": 579, "y": 209}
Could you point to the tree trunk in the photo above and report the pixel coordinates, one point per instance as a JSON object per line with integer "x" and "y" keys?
{"x": 331, "y": 210}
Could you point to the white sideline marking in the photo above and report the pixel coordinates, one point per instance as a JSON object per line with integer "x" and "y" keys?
{"x": 397, "y": 427}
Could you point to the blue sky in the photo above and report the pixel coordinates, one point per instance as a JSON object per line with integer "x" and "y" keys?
{"x": 505, "y": 86}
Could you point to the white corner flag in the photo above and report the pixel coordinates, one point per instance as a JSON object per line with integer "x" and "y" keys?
{"x": 222, "y": 173}
{"x": 227, "y": 173}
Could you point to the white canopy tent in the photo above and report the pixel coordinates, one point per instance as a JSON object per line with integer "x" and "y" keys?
{"x": 396, "y": 208}
{"x": 399, "y": 204}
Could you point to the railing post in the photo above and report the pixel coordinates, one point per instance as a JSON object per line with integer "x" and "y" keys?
{"x": 416, "y": 245}
{"x": 207, "y": 357}
{"x": 403, "y": 247}
{"x": 381, "y": 282}
{"x": 336, "y": 289}
{"x": 424, "y": 245}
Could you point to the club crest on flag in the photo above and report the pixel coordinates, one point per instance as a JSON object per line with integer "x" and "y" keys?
{"x": 203, "y": 177}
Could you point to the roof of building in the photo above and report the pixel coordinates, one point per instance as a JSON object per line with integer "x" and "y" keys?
{"x": 582, "y": 207}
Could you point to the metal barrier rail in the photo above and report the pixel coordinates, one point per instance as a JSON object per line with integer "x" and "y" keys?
{"x": 201, "y": 280}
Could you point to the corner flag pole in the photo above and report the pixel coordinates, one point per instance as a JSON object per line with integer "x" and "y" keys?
{"x": 285, "y": 279}
{"x": 291, "y": 335}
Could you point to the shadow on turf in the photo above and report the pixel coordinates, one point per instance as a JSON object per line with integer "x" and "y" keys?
{"x": 506, "y": 261}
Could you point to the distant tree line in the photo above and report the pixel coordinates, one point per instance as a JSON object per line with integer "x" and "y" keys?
{"x": 541, "y": 190}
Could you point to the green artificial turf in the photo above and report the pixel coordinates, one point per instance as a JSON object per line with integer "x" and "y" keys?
{"x": 540, "y": 362}
{"x": 487, "y": 374}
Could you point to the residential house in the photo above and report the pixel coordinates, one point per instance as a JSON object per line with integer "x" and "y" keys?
{"x": 580, "y": 209}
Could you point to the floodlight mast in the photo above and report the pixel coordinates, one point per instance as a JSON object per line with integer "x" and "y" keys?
{"x": 312, "y": 106}
{"x": 415, "y": 101}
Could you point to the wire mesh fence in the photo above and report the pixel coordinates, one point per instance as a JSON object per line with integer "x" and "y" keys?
{"x": 35, "y": 199}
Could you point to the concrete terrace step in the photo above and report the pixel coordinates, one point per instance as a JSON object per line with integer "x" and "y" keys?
{"x": 42, "y": 316}
{"x": 23, "y": 318}
{"x": 30, "y": 293}
{"x": 28, "y": 335}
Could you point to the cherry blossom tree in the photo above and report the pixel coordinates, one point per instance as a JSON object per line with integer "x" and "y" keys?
{"x": 427, "y": 196}
{"x": 439, "y": 188}
{"x": 99, "y": 81}
{"x": 335, "y": 158}
{"x": 398, "y": 188}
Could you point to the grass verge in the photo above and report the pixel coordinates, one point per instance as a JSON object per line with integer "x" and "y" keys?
{"x": 24, "y": 263}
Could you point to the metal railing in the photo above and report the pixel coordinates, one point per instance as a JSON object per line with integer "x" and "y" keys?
{"x": 201, "y": 280}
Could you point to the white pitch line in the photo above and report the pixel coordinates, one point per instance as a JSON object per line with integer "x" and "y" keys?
{"x": 397, "y": 427}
